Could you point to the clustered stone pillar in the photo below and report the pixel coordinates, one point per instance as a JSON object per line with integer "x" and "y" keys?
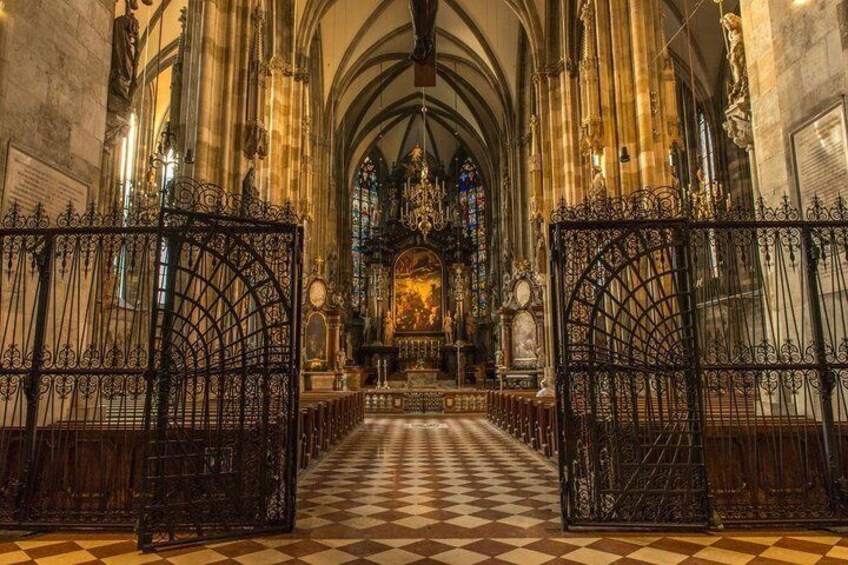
{"x": 621, "y": 83}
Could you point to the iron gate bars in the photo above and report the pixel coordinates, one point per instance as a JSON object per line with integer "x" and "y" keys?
{"x": 93, "y": 376}
{"x": 701, "y": 362}
{"x": 74, "y": 300}
{"x": 222, "y": 404}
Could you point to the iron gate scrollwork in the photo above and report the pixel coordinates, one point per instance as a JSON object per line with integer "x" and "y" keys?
{"x": 149, "y": 367}
{"x": 702, "y": 353}
{"x": 222, "y": 402}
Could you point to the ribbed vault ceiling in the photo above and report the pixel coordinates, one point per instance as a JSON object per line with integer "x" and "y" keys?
{"x": 367, "y": 81}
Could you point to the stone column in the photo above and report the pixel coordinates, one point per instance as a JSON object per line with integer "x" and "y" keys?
{"x": 224, "y": 44}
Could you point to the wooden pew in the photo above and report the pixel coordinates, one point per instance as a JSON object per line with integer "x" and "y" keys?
{"x": 529, "y": 419}
{"x": 326, "y": 418}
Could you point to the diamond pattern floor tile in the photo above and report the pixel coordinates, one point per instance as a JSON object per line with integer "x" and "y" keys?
{"x": 402, "y": 491}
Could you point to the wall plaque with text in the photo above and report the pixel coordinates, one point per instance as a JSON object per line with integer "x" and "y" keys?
{"x": 820, "y": 151}
{"x": 30, "y": 181}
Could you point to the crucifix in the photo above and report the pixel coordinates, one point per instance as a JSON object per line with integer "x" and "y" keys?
{"x": 424, "y": 46}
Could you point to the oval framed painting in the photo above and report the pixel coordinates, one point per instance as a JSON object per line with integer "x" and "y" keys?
{"x": 523, "y": 293}
{"x": 317, "y": 294}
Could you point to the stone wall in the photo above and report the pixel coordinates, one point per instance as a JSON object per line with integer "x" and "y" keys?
{"x": 797, "y": 55}
{"x": 54, "y": 69}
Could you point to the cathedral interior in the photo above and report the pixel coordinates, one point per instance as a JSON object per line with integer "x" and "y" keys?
{"x": 402, "y": 281}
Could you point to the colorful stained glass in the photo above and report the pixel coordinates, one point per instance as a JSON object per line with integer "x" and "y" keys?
{"x": 472, "y": 196}
{"x": 365, "y": 198}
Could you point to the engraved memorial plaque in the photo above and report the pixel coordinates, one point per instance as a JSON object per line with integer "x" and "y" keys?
{"x": 30, "y": 181}
{"x": 820, "y": 152}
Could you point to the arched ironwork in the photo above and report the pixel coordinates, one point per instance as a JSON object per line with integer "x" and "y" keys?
{"x": 222, "y": 417}
{"x": 149, "y": 366}
{"x": 699, "y": 366}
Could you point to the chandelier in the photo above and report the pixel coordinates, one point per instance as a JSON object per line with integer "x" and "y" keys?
{"x": 424, "y": 207}
{"x": 424, "y": 204}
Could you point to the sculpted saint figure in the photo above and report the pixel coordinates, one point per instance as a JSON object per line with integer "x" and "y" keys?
{"x": 471, "y": 326}
{"x": 424, "y": 27}
{"x": 125, "y": 54}
{"x": 735, "y": 52}
{"x": 447, "y": 328}
{"x": 248, "y": 185}
{"x": 366, "y": 330}
{"x": 341, "y": 359}
{"x": 388, "y": 329}
{"x": 599, "y": 183}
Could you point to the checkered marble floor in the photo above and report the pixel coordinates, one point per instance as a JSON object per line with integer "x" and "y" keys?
{"x": 452, "y": 491}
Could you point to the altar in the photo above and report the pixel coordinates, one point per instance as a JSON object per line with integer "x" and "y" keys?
{"x": 417, "y": 328}
{"x": 422, "y": 378}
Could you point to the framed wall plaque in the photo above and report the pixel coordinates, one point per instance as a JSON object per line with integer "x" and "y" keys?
{"x": 31, "y": 181}
{"x": 820, "y": 157}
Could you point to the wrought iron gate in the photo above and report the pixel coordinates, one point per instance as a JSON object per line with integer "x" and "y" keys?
{"x": 702, "y": 362}
{"x": 148, "y": 363}
{"x": 222, "y": 405}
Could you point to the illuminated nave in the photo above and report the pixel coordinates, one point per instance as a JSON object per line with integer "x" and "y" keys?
{"x": 398, "y": 281}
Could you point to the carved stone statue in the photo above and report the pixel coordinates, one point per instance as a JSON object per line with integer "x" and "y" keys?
{"x": 598, "y": 188}
{"x": 125, "y": 55}
{"x": 732, "y": 25}
{"x": 540, "y": 249}
{"x": 341, "y": 359}
{"x": 332, "y": 267}
{"x": 366, "y": 330}
{"x": 507, "y": 256}
{"x": 424, "y": 28}
{"x": 447, "y": 328}
{"x": 499, "y": 358}
{"x": 547, "y": 386}
{"x": 470, "y": 327}
{"x": 388, "y": 329}
{"x": 248, "y": 185}
{"x": 541, "y": 359}
{"x": 738, "y": 123}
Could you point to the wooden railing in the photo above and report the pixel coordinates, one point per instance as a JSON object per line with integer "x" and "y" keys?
{"x": 426, "y": 401}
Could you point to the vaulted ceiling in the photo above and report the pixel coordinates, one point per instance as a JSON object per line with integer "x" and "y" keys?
{"x": 487, "y": 51}
{"x": 367, "y": 80}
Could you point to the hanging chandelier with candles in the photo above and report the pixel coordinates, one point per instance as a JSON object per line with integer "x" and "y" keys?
{"x": 424, "y": 208}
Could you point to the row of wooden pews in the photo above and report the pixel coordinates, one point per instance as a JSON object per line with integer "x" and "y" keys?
{"x": 529, "y": 419}
{"x": 325, "y": 419}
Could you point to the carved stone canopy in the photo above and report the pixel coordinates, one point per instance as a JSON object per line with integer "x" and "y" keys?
{"x": 522, "y": 289}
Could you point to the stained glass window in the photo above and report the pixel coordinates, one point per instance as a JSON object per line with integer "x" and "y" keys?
{"x": 472, "y": 197}
{"x": 364, "y": 202}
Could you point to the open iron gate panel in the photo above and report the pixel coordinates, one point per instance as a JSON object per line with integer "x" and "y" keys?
{"x": 701, "y": 362}
{"x": 222, "y": 405}
{"x": 150, "y": 362}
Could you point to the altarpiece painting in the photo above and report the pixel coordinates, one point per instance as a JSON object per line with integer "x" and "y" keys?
{"x": 418, "y": 292}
